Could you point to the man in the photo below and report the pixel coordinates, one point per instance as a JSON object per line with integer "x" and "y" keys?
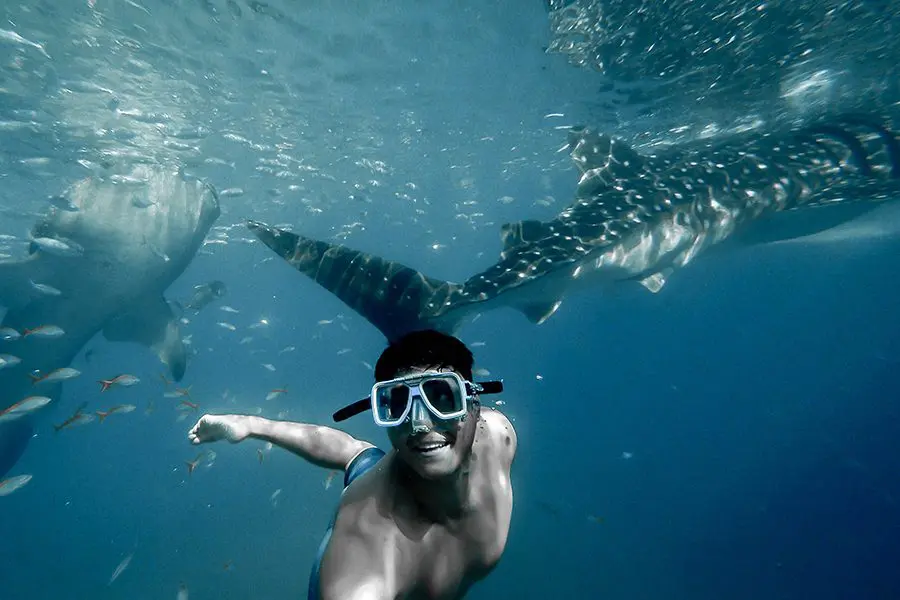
{"x": 429, "y": 518}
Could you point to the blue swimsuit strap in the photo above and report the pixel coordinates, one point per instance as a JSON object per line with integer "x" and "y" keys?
{"x": 364, "y": 461}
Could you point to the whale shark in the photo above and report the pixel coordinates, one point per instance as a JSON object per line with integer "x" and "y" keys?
{"x": 100, "y": 263}
{"x": 636, "y": 217}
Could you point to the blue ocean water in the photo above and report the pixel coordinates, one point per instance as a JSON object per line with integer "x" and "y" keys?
{"x": 732, "y": 436}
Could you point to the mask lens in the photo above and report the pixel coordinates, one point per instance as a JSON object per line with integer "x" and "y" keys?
{"x": 399, "y": 398}
{"x": 391, "y": 402}
{"x": 443, "y": 394}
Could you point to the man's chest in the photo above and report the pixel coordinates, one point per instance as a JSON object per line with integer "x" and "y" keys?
{"x": 445, "y": 561}
{"x": 415, "y": 560}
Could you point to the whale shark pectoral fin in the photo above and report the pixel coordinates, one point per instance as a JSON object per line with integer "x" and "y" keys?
{"x": 539, "y": 312}
{"x": 393, "y": 297}
{"x": 655, "y": 282}
{"x": 152, "y": 324}
{"x": 16, "y": 289}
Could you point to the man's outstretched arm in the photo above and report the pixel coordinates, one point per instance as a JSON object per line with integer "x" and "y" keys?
{"x": 322, "y": 446}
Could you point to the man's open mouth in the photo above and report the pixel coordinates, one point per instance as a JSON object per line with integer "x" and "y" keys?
{"x": 425, "y": 448}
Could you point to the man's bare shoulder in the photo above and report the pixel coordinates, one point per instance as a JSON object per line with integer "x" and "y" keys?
{"x": 501, "y": 431}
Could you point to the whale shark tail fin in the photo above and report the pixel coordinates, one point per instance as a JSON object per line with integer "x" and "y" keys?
{"x": 391, "y": 296}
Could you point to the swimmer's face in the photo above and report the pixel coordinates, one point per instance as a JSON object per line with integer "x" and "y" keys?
{"x": 433, "y": 447}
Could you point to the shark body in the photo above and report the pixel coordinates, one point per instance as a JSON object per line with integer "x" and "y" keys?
{"x": 636, "y": 217}
{"x": 133, "y": 239}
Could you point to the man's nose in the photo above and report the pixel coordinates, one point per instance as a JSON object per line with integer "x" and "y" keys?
{"x": 420, "y": 417}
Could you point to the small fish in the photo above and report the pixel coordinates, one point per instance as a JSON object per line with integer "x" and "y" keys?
{"x": 8, "y": 486}
{"x": 274, "y": 497}
{"x": 269, "y": 367}
{"x": 189, "y": 404}
{"x": 548, "y": 507}
{"x": 259, "y": 324}
{"x": 275, "y": 393}
{"x": 481, "y": 372}
{"x": 13, "y": 37}
{"x": 326, "y": 322}
{"x": 166, "y": 381}
{"x": 44, "y": 331}
{"x": 329, "y": 479}
{"x": 344, "y": 351}
{"x": 128, "y": 180}
{"x": 229, "y": 309}
{"x": 58, "y": 247}
{"x": 245, "y": 340}
{"x": 206, "y": 293}
{"x": 8, "y": 360}
{"x": 24, "y": 407}
{"x": 43, "y": 288}
{"x": 121, "y": 568}
{"x": 156, "y": 251}
{"x": 141, "y": 200}
{"x": 182, "y": 592}
{"x": 55, "y": 376}
{"x": 77, "y": 418}
{"x": 231, "y": 193}
{"x": 260, "y": 455}
{"x": 123, "y": 380}
{"x": 193, "y": 464}
{"x": 287, "y": 349}
{"x": 8, "y": 334}
{"x": 119, "y": 408}
{"x": 227, "y": 326}
{"x": 179, "y": 393}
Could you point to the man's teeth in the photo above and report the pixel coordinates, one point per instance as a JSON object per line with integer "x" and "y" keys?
{"x": 430, "y": 447}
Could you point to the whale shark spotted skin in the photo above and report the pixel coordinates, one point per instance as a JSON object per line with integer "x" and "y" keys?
{"x": 636, "y": 217}
{"x": 133, "y": 241}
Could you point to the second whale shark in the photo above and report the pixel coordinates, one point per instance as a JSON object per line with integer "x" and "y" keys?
{"x": 101, "y": 263}
{"x": 636, "y": 217}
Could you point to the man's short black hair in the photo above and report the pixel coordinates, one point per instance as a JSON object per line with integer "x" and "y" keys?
{"x": 425, "y": 348}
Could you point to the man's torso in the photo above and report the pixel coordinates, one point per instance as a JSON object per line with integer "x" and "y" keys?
{"x": 383, "y": 544}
